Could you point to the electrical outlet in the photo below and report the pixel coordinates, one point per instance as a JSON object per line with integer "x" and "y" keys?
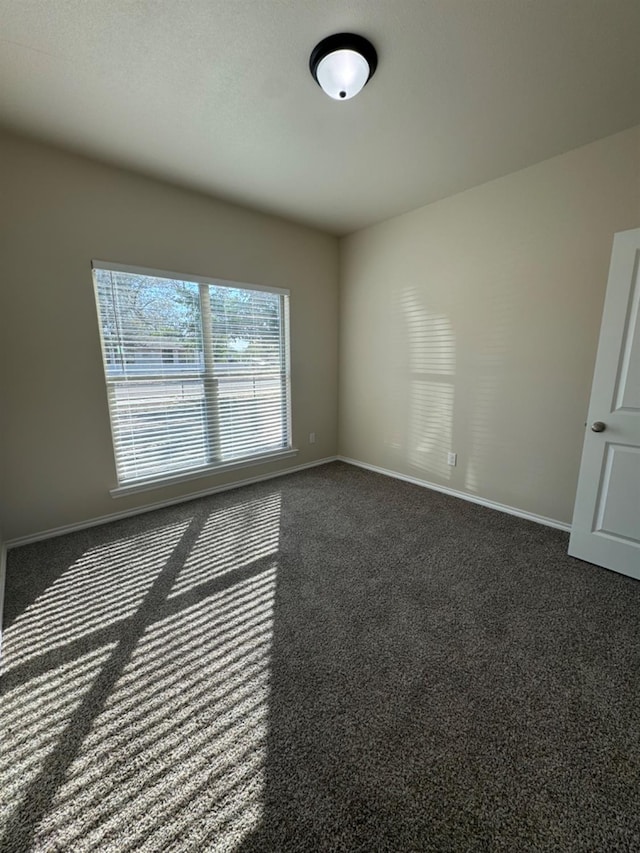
{"x": 312, "y": 438}
{"x": 452, "y": 459}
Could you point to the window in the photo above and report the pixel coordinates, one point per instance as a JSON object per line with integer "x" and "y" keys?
{"x": 197, "y": 371}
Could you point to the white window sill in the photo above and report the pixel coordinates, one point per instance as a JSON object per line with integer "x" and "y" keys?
{"x": 156, "y": 483}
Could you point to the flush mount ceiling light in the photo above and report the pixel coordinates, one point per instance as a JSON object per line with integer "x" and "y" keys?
{"x": 343, "y": 64}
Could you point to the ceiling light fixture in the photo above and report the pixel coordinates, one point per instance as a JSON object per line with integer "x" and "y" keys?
{"x": 343, "y": 64}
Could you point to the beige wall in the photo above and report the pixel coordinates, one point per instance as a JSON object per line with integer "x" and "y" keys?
{"x": 471, "y": 325}
{"x": 468, "y": 325}
{"x": 58, "y": 212}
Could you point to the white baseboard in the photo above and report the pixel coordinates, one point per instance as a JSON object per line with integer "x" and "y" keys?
{"x": 455, "y": 493}
{"x": 116, "y": 516}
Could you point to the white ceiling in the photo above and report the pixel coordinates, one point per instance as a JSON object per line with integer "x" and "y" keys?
{"x": 216, "y": 94}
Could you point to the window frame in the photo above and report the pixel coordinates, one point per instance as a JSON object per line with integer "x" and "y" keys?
{"x": 150, "y": 483}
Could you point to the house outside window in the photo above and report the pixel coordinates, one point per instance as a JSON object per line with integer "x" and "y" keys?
{"x": 197, "y": 372}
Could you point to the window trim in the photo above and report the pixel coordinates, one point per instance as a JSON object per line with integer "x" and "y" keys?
{"x": 199, "y": 473}
{"x": 152, "y": 483}
{"x": 181, "y": 276}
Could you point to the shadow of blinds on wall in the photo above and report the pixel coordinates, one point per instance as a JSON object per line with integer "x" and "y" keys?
{"x": 197, "y": 371}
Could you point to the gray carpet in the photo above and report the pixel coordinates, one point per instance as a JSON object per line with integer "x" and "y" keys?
{"x": 330, "y": 661}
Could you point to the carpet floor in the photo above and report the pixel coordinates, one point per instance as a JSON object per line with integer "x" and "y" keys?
{"x": 329, "y": 661}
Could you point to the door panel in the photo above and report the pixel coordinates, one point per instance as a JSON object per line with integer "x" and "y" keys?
{"x": 628, "y": 384}
{"x": 615, "y": 514}
{"x": 606, "y": 521}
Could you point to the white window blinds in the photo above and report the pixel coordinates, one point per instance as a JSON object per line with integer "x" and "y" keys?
{"x": 197, "y": 371}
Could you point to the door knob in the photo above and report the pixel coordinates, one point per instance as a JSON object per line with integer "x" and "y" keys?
{"x": 598, "y": 426}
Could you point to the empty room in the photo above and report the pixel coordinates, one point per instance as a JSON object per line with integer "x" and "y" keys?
{"x": 319, "y": 426}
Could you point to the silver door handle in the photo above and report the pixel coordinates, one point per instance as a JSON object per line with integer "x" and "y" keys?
{"x": 598, "y": 426}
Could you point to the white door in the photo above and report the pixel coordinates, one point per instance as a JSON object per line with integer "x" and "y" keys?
{"x": 606, "y": 519}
